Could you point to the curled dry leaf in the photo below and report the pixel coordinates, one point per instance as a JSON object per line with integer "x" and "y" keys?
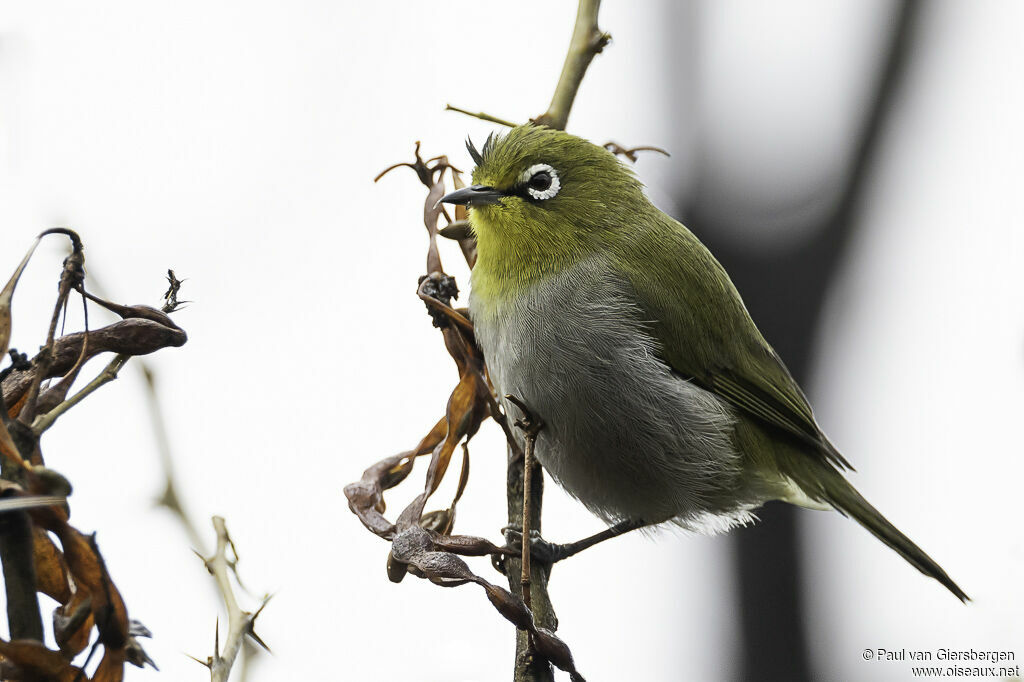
{"x": 631, "y": 152}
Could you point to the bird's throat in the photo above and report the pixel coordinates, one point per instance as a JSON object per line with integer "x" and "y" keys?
{"x": 513, "y": 255}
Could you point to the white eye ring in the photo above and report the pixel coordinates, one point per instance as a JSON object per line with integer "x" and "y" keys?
{"x": 541, "y": 194}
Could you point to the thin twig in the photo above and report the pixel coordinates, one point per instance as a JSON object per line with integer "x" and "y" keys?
{"x": 482, "y": 116}
{"x": 630, "y": 152}
{"x": 170, "y": 499}
{"x": 530, "y": 425}
{"x": 587, "y": 40}
{"x": 70, "y": 278}
{"x": 527, "y": 485}
{"x": 109, "y": 373}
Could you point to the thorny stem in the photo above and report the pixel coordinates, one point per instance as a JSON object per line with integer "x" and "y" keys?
{"x": 240, "y": 623}
{"x": 587, "y": 40}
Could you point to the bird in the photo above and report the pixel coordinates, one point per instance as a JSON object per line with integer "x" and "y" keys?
{"x": 662, "y": 402}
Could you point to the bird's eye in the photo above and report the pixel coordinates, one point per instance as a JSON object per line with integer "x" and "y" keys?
{"x": 541, "y": 181}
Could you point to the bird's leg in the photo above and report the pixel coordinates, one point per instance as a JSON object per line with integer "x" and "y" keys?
{"x": 551, "y": 553}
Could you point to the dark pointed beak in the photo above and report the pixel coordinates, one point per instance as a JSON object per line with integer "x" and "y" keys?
{"x": 477, "y": 195}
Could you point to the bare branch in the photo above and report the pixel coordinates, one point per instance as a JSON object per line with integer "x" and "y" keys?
{"x": 169, "y": 498}
{"x": 530, "y": 425}
{"x": 587, "y": 40}
{"x": 109, "y": 373}
{"x": 482, "y": 116}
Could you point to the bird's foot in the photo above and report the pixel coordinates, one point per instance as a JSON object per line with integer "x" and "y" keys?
{"x": 540, "y": 549}
{"x": 550, "y": 553}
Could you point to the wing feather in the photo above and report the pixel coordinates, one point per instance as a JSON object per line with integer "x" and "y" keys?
{"x": 706, "y": 334}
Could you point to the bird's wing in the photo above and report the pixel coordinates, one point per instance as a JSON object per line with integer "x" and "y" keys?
{"x": 706, "y": 334}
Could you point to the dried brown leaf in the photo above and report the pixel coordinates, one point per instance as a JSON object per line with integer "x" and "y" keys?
{"x": 72, "y": 624}
{"x": 134, "y": 336}
{"x": 33, "y": 661}
{"x": 111, "y": 667}
{"x": 467, "y": 241}
{"x": 51, "y": 569}
{"x": 90, "y": 573}
{"x": 7, "y": 294}
{"x": 431, "y": 213}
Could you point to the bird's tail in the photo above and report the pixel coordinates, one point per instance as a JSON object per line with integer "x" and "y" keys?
{"x": 830, "y": 486}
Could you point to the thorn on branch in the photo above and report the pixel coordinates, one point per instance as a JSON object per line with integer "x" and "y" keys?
{"x": 241, "y": 624}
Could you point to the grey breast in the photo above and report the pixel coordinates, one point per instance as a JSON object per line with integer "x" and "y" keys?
{"x": 623, "y": 433}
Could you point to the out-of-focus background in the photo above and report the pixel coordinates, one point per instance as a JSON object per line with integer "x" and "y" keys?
{"x": 857, "y": 165}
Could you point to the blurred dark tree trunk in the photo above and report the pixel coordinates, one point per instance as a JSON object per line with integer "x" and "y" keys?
{"x": 785, "y": 290}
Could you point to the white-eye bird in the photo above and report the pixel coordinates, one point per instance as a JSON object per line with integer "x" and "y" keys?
{"x": 660, "y": 399}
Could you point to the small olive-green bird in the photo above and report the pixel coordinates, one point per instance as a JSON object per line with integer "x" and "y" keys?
{"x": 660, "y": 399}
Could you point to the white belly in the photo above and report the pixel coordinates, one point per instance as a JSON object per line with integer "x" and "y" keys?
{"x": 623, "y": 433}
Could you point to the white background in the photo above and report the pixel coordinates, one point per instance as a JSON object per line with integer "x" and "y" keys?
{"x": 237, "y": 144}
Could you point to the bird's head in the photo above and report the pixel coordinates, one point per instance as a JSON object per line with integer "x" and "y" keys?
{"x": 541, "y": 199}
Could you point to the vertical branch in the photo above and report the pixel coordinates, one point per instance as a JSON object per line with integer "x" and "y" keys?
{"x": 524, "y": 574}
{"x": 530, "y": 425}
{"x": 18, "y": 557}
{"x": 525, "y": 493}
{"x": 17, "y": 550}
{"x": 529, "y": 668}
{"x": 587, "y": 40}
